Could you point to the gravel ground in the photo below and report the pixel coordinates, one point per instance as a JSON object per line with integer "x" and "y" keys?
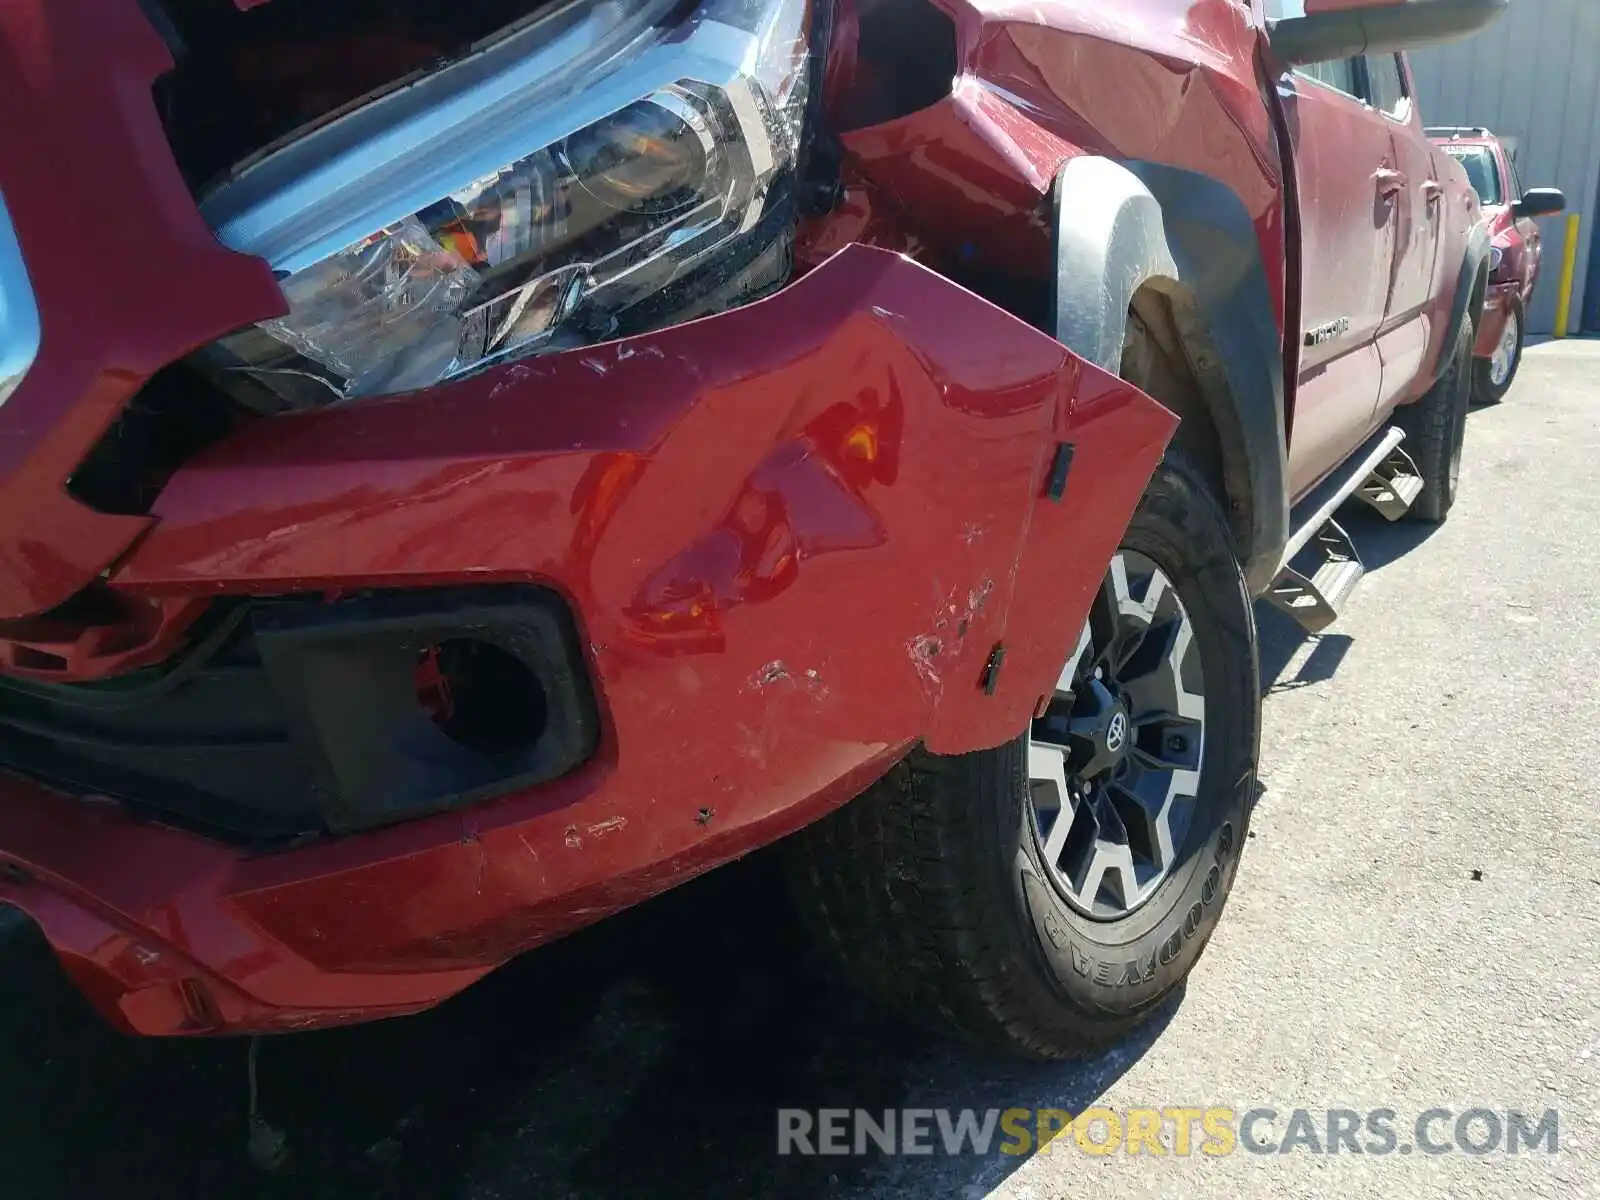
{"x": 1416, "y": 925}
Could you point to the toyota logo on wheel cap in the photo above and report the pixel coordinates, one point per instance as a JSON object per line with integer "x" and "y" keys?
{"x": 1116, "y": 732}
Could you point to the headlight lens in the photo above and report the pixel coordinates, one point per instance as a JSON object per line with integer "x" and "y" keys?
{"x": 563, "y": 185}
{"x": 1497, "y": 255}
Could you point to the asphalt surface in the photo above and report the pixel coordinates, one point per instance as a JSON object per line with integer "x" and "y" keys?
{"x": 1416, "y": 925}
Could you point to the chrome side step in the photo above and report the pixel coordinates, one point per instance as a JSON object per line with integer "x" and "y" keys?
{"x": 1314, "y": 600}
{"x": 1393, "y": 486}
{"x": 1321, "y": 565}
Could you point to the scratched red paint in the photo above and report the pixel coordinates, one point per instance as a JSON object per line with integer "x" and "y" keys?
{"x": 792, "y": 533}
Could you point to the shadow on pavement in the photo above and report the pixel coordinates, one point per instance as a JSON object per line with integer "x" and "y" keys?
{"x": 1282, "y": 641}
{"x": 648, "y": 1056}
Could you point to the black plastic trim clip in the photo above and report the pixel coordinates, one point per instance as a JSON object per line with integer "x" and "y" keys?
{"x": 1056, "y": 487}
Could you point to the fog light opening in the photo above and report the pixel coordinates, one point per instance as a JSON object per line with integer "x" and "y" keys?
{"x": 480, "y": 696}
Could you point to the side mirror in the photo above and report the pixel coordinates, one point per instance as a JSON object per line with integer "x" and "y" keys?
{"x": 1540, "y": 202}
{"x": 1334, "y": 29}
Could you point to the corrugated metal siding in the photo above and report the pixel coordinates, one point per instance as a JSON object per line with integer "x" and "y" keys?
{"x": 1535, "y": 77}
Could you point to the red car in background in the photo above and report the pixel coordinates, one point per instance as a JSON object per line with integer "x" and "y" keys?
{"x": 1515, "y": 255}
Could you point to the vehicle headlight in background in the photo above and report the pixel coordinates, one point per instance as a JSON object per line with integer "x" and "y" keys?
{"x": 1497, "y": 255}
{"x": 573, "y": 181}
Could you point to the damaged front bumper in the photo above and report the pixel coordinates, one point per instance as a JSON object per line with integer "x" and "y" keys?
{"x": 791, "y": 540}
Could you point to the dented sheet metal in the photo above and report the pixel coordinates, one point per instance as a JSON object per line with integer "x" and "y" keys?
{"x": 794, "y": 535}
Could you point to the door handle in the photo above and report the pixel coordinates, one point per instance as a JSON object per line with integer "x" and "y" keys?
{"x": 1432, "y": 190}
{"x": 1389, "y": 181}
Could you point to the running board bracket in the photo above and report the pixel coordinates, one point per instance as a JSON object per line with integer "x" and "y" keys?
{"x": 1321, "y": 565}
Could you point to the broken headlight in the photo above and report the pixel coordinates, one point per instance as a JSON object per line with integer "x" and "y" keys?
{"x": 608, "y": 167}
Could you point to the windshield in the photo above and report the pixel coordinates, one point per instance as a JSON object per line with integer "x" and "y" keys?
{"x": 1481, "y": 169}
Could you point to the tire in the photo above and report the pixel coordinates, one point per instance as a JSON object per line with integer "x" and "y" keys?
{"x": 1484, "y": 388}
{"x": 1436, "y": 429}
{"x": 932, "y": 887}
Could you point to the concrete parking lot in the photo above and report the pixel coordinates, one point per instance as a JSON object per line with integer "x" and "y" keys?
{"x": 1416, "y": 925}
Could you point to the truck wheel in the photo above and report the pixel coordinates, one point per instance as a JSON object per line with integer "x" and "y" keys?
{"x": 1436, "y": 429}
{"x": 1046, "y": 895}
{"x": 1492, "y": 377}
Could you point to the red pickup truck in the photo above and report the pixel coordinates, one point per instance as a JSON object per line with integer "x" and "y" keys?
{"x": 1516, "y": 252}
{"x": 465, "y": 469}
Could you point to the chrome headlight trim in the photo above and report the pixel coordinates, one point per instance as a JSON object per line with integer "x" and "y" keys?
{"x": 381, "y": 163}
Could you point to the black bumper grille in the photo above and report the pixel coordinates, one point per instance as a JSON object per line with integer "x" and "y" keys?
{"x": 290, "y": 719}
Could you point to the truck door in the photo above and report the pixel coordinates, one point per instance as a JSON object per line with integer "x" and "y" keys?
{"x": 1417, "y": 314}
{"x": 1345, "y": 174}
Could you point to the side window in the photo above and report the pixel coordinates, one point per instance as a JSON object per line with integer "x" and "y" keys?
{"x": 1386, "y": 89}
{"x": 1483, "y": 172}
{"x": 1517, "y": 190}
{"x": 1340, "y": 74}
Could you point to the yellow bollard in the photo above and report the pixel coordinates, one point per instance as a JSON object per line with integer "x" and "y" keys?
{"x": 1569, "y": 271}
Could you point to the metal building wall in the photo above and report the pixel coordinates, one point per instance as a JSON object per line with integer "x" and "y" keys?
{"x": 1534, "y": 76}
